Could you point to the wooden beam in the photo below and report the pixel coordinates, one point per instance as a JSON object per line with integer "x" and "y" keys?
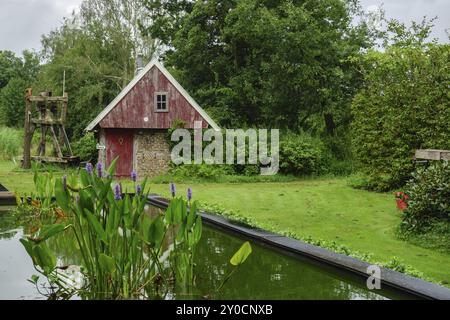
{"x": 56, "y": 142}
{"x": 432, "y": 154}
{"x": 46, "y": 122}
{"x": 62, "y": 132}
{"x": 50, "y": 159}
{"x": 66, "y": 141}
{"x": 26, "y": 164}
{"x": 41, "y": 149}
{"x": 47, "y": 99}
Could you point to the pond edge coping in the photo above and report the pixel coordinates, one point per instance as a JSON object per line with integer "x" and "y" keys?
{"x": 390, "y": 278}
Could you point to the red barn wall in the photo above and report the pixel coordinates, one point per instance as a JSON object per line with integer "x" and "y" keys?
{"x": 139, "y": 103}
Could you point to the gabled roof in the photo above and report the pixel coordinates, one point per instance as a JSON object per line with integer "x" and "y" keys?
{"x": 139, "y": 76}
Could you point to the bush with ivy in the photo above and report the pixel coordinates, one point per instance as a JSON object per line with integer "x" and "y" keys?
{"x": 428, "y": 200}
{"x": 403, "y": 106}
{"x": 86, "y": 148}
{"x": 302, "y": 154}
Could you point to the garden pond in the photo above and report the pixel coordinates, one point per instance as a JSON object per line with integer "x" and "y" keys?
{"x": 267, "y": 274}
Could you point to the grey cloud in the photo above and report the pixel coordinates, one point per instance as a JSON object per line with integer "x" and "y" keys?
{"x": 23, "y": 22}
{"x": 408, "y": 10}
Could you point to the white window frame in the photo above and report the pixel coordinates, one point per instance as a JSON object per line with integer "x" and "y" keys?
{"x": 156, "y": 101}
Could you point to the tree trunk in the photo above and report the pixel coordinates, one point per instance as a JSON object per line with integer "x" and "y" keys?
{"x": 329, "y": 123}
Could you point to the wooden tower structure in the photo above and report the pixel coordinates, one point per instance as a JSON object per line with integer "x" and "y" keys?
{"x": 47, "y": 114}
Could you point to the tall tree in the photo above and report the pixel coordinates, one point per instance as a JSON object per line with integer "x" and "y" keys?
{"x": 9, "y": 67}
{"x": 17, "y": 74}
{"x": 265, "y": 62}
{"x": 96, "y": 49}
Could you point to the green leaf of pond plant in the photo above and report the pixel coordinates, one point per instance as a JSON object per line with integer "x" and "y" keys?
{"x": 107, "y": 263}
{"x": 156, "y": 232}
{"x": 96, "y": 225}
{"x": 44, "y": 258}
{"x": 191, "y": 215}
{"x": 242, "y": 254}
{"x": 112, "y": 167}
{"x": 48, "y": 231}
{"x": 198, "y": 229}
{"x": 62, "y": 197}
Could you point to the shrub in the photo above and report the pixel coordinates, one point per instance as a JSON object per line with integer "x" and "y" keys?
{"x": 340, "y": 167}
{"x": 86, "y": 147}
{"x": 403, "y": 107}
{"x": 302, "y": 154}
{"x": 201, "y": 171}
{"x": 429, "y": 197}
{"x": 379, "y": 183}
{"x": 11, "y": 141}
{"x": 339, "y": 144}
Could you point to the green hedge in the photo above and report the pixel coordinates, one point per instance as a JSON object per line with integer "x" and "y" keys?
{"x": 86, "y": 148}
{"x": 404, "y": 106}
{"x": 302, "y": 154}
{"x": 429, "y": 197}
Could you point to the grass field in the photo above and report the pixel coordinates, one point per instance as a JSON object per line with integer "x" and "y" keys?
{"x": 323, "y": 208}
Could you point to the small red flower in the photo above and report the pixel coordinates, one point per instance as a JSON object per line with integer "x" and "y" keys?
{"x": 401, "y": 205}
{"x": 401, "y": 200}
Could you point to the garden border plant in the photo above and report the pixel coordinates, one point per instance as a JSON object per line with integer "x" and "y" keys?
{"x": 425, "y": 204}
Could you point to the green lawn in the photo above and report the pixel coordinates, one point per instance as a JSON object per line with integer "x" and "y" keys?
{"x": 322, "y": 208}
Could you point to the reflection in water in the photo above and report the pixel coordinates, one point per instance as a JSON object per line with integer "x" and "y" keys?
{"x": 271, "y": 275}
{"x": 266, "y": 274}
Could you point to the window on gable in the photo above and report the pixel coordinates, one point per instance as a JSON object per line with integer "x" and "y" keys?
{"x": 161, "y": 102}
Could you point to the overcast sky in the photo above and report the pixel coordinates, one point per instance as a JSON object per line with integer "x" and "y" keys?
{"x": 22, "y": 22}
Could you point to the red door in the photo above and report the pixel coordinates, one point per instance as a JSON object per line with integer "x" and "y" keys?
{"x": 119, "y": 143}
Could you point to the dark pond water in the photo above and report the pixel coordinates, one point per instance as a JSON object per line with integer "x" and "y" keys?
{"x": 267, "y": 274}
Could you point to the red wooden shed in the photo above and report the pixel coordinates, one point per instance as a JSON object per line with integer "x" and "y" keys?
{"x": 134, "y": 125}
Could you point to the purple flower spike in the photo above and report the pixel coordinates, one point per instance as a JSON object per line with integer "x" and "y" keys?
{"x": 134, "y": 176}
{"x": 117, "y": 192}
{"x": 89, "y": 168}
{"x": 65, "y": 182}
{"x": 138, "y": 189}
{"x": 173, "y": 189}
{"x": 99, "y": 170}
{"x": 189, "y": 194}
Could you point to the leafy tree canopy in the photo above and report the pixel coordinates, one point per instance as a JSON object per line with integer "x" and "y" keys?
{"x": 96, "y": 49}
{"x": 16, "y": 74}
{"x": 261, "y": 62}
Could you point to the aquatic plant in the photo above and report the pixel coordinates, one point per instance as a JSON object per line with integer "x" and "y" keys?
{"x": 99, "y": 170}
{"x": 44, "y": 187}
{"x": 134, "y": 176}
{"x": 172, "y": 189}
{"x": 126, "y": 253}
{"x": 89, "y": 168}
{"x": 117, "y": 192}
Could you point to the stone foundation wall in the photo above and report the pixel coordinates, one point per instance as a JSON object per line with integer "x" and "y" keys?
{"x": 151, "y": 152}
